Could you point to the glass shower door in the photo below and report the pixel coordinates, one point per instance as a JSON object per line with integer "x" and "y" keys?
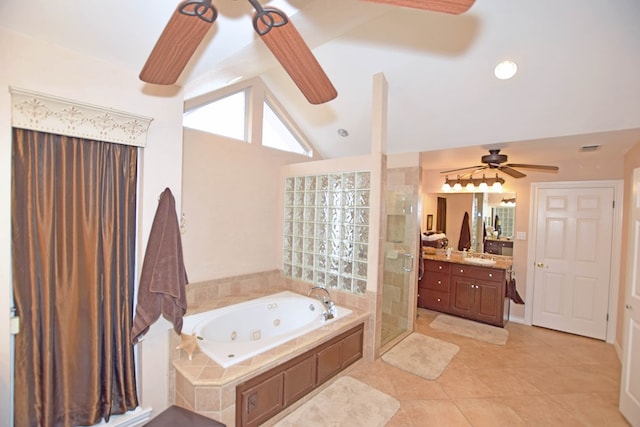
{"x": 399, "y": 262}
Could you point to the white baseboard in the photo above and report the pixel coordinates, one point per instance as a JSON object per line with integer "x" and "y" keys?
{"x": 517, "y": 319}
{"x": 136, "y": 418}
{"x": 618, "y": 350}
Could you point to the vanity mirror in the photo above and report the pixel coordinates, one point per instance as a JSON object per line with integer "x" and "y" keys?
{"x": 491, "y": 218}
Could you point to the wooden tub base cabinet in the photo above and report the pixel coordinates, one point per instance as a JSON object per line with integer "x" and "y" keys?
{"x": 265, "y": 395}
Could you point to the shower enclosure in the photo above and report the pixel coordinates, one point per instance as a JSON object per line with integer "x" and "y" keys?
{"x": 400, "y": 263}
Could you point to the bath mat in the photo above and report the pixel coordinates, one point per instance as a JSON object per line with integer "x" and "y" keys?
{"x": 471, "y": 329}
{"x": 346, "y": 402}
{"x": 421, "y": 355}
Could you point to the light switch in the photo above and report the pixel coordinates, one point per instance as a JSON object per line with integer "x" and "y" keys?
{"x": 521, "y": 235}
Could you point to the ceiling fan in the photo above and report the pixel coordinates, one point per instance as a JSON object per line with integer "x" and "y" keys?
{"x": 495, "y": 160}
{"x": 192, "y": 19}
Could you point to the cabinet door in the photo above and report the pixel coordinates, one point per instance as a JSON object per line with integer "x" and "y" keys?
{"x": 487, "y": 302}
{"x": 462, "y": 298}
{"x": 329, "y": 362}
{"x": 262, "y": 401}
{"x": 299, "y": 380}
{"x": 352, "y": 348}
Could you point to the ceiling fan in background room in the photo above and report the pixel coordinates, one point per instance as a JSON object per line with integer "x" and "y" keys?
{"x": 495, "y": 160}
{"x": 192, "y": 19}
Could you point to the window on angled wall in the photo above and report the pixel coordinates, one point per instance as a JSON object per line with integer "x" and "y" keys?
{"x": 277, "y": 133}
{"x": 229, "y": 116}
{"x": 224, "y": 116}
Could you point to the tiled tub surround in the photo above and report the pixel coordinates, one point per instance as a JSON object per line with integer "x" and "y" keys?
{"x": 205, "y": 387}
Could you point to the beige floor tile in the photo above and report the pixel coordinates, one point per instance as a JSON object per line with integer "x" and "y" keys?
{"x": 539, "y": 378}
{"x": 489, "y": 412}
{"x": 421, "y": 413}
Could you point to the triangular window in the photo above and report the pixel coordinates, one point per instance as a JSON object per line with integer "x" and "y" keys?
{"x": 276, "y": 133}
{"x": 224, "y": 116}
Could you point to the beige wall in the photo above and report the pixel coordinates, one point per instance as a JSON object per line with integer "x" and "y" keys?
{"x": 41, "y": 67}
{"x": 631, "y": 161}
{"x": 589, "y": 167}
{"x": 231, "y": 204}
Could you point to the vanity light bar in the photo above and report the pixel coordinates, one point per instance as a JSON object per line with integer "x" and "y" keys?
{"x": 471, "y": 183}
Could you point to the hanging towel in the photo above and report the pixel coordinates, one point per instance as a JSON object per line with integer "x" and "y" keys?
{"x": 465, "y": 234}
{"x": 163, "y": 278}
{"x": 512, "y": 292}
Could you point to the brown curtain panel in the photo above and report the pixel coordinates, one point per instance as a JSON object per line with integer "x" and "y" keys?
{"x": 73, "y": 236}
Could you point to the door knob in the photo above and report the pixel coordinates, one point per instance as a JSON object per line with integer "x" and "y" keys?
{"x": 540, "y": 264}
{"x": 628, "y": 306}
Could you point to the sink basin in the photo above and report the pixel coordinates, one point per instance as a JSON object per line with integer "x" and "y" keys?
{"x": 480, "y": 261}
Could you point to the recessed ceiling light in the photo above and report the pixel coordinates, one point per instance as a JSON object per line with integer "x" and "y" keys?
{"x": 343, "y": 132}
{"x": 505, "y": 70}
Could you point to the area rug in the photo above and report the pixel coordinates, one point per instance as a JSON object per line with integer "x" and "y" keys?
{"x": 471, "y": 329}
{"x": 346, "y": 402}
{"x": 421, "y": 355}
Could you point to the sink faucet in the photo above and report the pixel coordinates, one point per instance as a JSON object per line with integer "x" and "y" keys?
{"x": 329, "y": 305}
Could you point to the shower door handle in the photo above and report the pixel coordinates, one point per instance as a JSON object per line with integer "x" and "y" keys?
{"x": 410, "y": 258}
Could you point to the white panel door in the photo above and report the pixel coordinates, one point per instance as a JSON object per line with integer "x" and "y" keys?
{"x": 573, "y": 259}
{"x": 630, "y": 378}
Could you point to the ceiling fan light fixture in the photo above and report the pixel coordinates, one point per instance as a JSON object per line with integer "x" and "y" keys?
{"x": 505, "y": 70}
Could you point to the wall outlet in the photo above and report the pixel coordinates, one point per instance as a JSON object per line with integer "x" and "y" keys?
{"x": 521, "y": 235}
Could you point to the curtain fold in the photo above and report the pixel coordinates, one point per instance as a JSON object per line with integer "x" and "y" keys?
{"x": 73, "y": 238}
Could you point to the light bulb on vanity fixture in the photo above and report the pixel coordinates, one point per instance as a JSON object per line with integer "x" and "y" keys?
{"x": 471, "y": 185}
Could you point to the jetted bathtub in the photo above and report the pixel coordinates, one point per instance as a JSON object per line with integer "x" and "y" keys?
{"x": 234, "y": 333}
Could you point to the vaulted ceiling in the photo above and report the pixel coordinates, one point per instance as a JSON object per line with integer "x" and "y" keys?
{"x": 578, "y": 77}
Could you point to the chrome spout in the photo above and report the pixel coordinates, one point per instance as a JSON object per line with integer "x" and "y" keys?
{"x": 329, "y": 305}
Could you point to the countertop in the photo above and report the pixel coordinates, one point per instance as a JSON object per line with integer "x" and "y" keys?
{"x": 502, "y": 262}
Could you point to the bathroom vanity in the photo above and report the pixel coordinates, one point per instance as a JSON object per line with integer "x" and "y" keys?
{"x": 465, "y": 287}
{"x": 498, "y": 246}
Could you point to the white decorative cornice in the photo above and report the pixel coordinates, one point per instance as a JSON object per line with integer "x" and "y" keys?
{"x": 36, "y": 111}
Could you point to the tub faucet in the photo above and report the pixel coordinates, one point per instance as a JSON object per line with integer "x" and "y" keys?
{"x": 329, "y": 305}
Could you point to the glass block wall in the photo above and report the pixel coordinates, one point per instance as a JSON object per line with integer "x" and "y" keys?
{"x": 507, "y": 219}
{"x": 326, "y": 230}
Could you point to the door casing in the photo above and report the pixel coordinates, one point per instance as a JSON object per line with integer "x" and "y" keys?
{"x": 616, "y": 243}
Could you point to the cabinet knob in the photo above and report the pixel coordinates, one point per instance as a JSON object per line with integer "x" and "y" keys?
{"x": 438, "y": 299}
{"x": 439, "y": 282}
{"x": 490, "y": 274}
{"x": 439, "y": 267}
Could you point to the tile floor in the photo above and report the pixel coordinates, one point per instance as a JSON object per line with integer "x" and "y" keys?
{"x": 540, "y": 378}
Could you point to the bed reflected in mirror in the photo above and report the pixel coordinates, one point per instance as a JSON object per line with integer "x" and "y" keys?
{"x": 491, "y": 221}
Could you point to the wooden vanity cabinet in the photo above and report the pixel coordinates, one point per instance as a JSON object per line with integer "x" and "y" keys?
{"x": 477, "y": 293}
{"x": 498, "y": 247}
{"x": 433, "y": 288}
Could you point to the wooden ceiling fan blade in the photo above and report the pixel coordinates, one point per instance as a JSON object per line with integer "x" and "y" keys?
{"x": 180, "y": 38}
{"x": 541, "y": 167}
{"x": 512, "y": 172}
{"x": 464, "y": 169}
{"x": 454, "y": 7}
{"x": 290, "y": 49}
